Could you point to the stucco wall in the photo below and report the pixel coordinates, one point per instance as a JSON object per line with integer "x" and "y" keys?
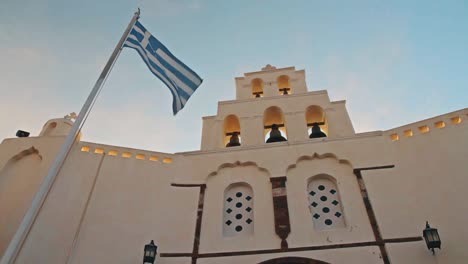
{"x": 428, "y": 183}
{"x": 24, "y": 162}
{"x": 109, "y": 201}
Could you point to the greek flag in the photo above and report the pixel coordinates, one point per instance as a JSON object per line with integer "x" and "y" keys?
{"x": 179, "y": 78}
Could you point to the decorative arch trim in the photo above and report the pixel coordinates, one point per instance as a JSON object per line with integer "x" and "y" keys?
{"x": 293, "y": 260}
{"x": 24, "y": 153}
{"x": 236, "y": 164}
{"x": 319, "y": 156}
{"x": 322, "y": 176}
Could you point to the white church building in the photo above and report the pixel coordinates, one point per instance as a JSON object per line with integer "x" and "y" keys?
{"x": 281, "y": 178}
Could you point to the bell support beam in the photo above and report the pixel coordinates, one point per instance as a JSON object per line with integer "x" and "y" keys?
{"x": 318, "y": 123}
{"x": 232, "y": 133}
{"x": 271, "y": 126}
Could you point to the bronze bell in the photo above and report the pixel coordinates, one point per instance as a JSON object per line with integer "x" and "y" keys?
{"x": 257, "y": 94}
{"x": 284, "y": 90}
{"x": 316, "y": 132}
{"x": 275, "y": 135}
{"x": 234, "y": 140}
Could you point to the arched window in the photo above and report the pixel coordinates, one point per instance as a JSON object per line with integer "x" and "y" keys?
{"x": 325, "y": 203}
{"x": 274, "y": 126}
{"x": 316, "y": 122}
{"x": 283, "y": 85}
{"x": 232, "y": 131}
{"x": 257, "y": 87}
{"x": 238, "y": 214}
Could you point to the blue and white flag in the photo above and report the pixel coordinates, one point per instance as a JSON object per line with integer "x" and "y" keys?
{"x": 179, "y": 78}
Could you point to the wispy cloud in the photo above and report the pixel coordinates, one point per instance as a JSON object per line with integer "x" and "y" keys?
{"x": 27, "y": 89}
{"x": 371, "y": 105}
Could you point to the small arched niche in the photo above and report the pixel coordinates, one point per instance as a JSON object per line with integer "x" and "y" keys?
{"x": 284, "y": 86}
{"x": 232, "y": 131}
{"x": 273, "y": 122}
{"x": 316, "y": 122}
{"x": 57, "y": 127}
{"x": 257, "y": 87}
{"x": 49, "y": 128}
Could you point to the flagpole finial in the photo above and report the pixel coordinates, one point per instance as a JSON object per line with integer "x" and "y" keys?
{"x": 137, "y": 13}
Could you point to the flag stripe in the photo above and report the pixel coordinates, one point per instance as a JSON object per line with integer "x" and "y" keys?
{"x": 177, "y": 60}
{"x": 167, "y": 66}
{"x": 139, "y": 28}
{"x": 137, "y": 35}
{"x": 176, "y": 103}
{"x": 178, "y": 74}
{"x": 183, "y": 88}
{"x": 180, "y": 79}
{"x": 180, "y": 68}
{"x": 173, "y": 77}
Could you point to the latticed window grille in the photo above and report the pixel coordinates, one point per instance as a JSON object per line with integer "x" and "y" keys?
{"x": 238, "y": 210}
{"x": 325, "y": 204}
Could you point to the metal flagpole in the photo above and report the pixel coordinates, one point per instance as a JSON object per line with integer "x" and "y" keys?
{"x": 28, "y": 220}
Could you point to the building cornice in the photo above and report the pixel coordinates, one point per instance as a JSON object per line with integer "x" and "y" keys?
{"x": 320, "y": 92}
{"x": 292, "y": 68}
{"x": 282, "y": 144}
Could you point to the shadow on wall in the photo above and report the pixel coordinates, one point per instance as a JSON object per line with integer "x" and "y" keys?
{"x": 19, "y": 181}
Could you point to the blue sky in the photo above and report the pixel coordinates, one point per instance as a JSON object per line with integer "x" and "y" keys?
{"x": 395, "y": 62}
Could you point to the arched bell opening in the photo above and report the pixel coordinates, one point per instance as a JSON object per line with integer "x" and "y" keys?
{"x": 284, "y": 85}
{"x": 232, "y": 131}
{"x": 273, "y": 125}
{"x": 257, "y": 87}
{"x": 317, "y": 126}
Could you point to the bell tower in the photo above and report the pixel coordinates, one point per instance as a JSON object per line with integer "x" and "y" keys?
{"x": 274, "y": 106}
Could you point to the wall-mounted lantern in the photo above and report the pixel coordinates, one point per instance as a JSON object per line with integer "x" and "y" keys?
{"x": 21, "y": 133}
{"x": 431, "y": 235}
{"x": 150, "y": 253}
